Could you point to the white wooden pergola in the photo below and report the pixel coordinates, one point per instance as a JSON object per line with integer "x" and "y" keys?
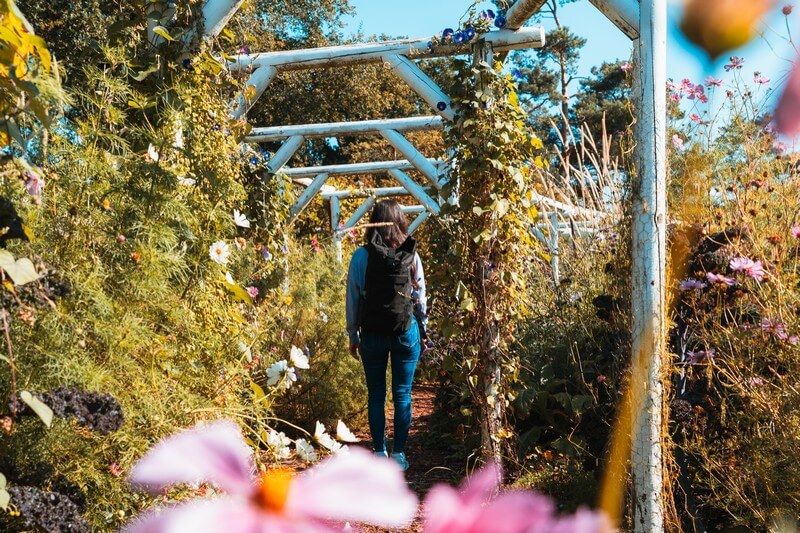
{"x": 644, "y": 22}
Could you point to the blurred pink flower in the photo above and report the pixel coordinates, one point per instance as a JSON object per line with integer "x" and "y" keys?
{"x": 354, "y": 487}
{"x": 34, "y": 182}
{"x": 474, "y": 509}
{"x": 690, "y": 284}
{"x": 696, "y": 118}
{"x": 787, "y": 113}
{"x": 700, "y": 356}
{"x": 754, "y": 269}
{"x": 761, "y": 80}
{"x": 736, "y": 63}
{"x": 626, "y": 66}
{"x": 675, "y": 97}
{"x": 739, "y": 264}
{"x": 678, "y": 142}
{"x": 719, "y": 278}
{"x": 711, "y": 81}
{"x": 774, "y": 326}
{"x": 315, "y": 244}
{"x": 787, "y": 9}
{"x": 796, "y": 232}
{"x": 779, "y": 148}
{"x": 252, "y": 291}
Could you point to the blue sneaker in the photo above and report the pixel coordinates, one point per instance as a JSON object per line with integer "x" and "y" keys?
{"x": 400, "y": 457}
{"x": 381, "y": 453}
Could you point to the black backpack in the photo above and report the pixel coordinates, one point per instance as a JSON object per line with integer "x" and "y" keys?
{"x": 386, "y": 305}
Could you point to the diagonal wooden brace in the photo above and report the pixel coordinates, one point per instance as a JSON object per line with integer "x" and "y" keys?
{"x": 415, "y": 190}
{"x": 425, "y": 87}
{"x": 413, "y": 156}
{"x": 307, "y": 195}
{"x": 260, "y": 78}
{"x": 284, "y": 153}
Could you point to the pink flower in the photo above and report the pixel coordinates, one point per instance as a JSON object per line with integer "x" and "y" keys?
{"x": 796, "y": 232}
{"x": 354, "y": 487}
{"x": 779, "y": 148}
{"x": 719, "y": 278}
{"x": 626, "y": 66}
{"x": 756, "y": 271}
{"x": 700, "y": 356}
{"x": 736, "y": 63}
{"x": 34, "y": 182}
{"x": 761, "y": 80}
{"x": 787, "y": 113}
{"x": 711, "y": 81}
{"x": 741, "y": 264}
{"x": 675, "y": 97}
{"x": 315, "y": 244}
{"x": 678, "y": 142}
{"x": 252, "y": 291}
{"x": 776, "y": 327}
{"x": 696, "y": 118}
{"x": 690, "y": 284}
{"x": 474, "y": 510}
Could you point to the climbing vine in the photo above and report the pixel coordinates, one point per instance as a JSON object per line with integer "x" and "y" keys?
{"x": 486, "y": 238}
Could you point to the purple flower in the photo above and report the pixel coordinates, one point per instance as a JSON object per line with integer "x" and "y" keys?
{"x": 253, "y": 160}
{"x": 740, "y": 264}
{"x": 441, "y": 106}
{"x": 490, "y": 13}
{"x": 711, "y": 81}
{"x": 459, "y": 37}
{"x": 244, "y": 50}
{"x": 516, "y": 73}
{"x": 761, "y": 80}
{"x": 470, "y": 33}
{"x": 719, "y": 278}
{"x": 774, "y": 326}
{"x": 754, "y": 269}
{"x": 187, "y": 64}
{"x": 265, "y": 253}
{"x": 754, "y": 382}
{"x": 690, "y": 284}
{"x": 796, "y": 232}
{"x": 500, "y": 21}
{"x": 700, "y": 356}
{"x": 34, "y": 182}
{"x": 736, "y": 63}
{"x": 448, "y": 32}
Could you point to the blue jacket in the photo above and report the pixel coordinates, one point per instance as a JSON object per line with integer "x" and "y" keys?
{"x": 356, "y": 276}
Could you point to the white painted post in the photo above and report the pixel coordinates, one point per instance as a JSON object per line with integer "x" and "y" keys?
{"x": 648, "y": 267}
{"x": 336, "y": 211}
{"x": 425, "y": 87}
{"x": 217, "y": 13}
{"x": 554, "y": 232}
{"x": 285, "y": 153}
{"x": 260, "y": 78}
{"x": 422, "y": 217}
{"x": 336, "y": 129}
{"x": 623, "y": 13}
{"x": 358, "y": 213}
{"x": 351, "y": 168}
{"x": 413, "y": 156}
{"x": 416, "y": 191}
{"x": 307, "y": 195}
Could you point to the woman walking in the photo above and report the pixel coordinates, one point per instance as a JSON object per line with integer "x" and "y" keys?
{"x": 386, "y": 309}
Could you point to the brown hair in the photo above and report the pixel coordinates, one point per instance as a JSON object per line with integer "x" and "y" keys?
{"x": 388, "y": 211}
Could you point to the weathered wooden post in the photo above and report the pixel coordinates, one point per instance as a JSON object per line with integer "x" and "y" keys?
{"x": 649, "y": 265}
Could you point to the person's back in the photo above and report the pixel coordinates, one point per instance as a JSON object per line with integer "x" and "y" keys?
{"x": 385, "y": 290}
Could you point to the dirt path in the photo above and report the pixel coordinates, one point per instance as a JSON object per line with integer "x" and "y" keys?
{"x": 431, "y": 458}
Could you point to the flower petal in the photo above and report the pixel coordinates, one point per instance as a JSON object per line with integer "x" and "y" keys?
{"x": 355, "y": 487}
{"x": 483, "y": 484}
{"x": 787, "y": 113}
{"x": 515, "y": 511}
{"x": 214, "y": 453}
{"x": 445, "y": 511}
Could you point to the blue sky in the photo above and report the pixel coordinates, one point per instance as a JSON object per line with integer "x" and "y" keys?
{"x": 771, "y": 54}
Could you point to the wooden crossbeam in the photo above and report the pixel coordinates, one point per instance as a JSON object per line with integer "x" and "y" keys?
{"x": 352, "y": 168}
{"x": 338, "y": 129}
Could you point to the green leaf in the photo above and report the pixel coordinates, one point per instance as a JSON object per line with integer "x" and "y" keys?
{"x": 38, "y": 406}
{"x": 162, "y": 31}
{"x": 257, "y": 391}
{"x": 238, "y": 292}
{"x": 21, "y": 271}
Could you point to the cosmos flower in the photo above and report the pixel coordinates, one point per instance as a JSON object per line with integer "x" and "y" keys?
{"x": 627, "y": 66}
{"x": 252, "y": 291}
{"x": 711, "y": 81}
{"x": 719, "y": 278}
{"x": 700, "y": 356}
{"x": 305, "y": 451}
{"x": 326, "y": 441}
{"x": 356, "y": 487}
{"x": 696, "y": 118}
{"x": 678, "y": 142}
{"x": 796, "y": 232}
{"x": 219, "y": 252}
{"x": 474, "y": 510}
{"x": 736, "y": 63}
{"x": 152, "y": 153}
{"x": 298, "y": 358}
{"x": 240, "y": 219}
{"x": 34, "y": 182}
{"x": 759, "y": 79}
{"x": 690, "y": 284}
{"x": 279, "y": 443}
{"x": 754, "y": 269}
{"x": 344, "y": 434}
{"x": 281, "y": 376}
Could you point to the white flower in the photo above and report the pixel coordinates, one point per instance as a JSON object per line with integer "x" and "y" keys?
{"x": 178, "y": 142}
{"x": 229, "y": 278}
{"x": 298, "y": 358}
{"x": 279, "y": 443}
{"x": 323, "y": 317}
{"x": 344, "y": 434}
{"x": 305, "y": 450}
{"x": 183, "y": 180}
{"x": 281, "y": 376}
{"x": 152, "y": 153}
{"x": 240, "y": 220}
{"x": 325, "y": 440}
{"x": 219, "y": 252}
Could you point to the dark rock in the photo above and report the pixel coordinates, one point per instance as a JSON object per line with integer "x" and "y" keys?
{"x": 43, "y": 511}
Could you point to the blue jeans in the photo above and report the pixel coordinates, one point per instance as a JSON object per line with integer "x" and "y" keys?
{"x": 375, "y": 352}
